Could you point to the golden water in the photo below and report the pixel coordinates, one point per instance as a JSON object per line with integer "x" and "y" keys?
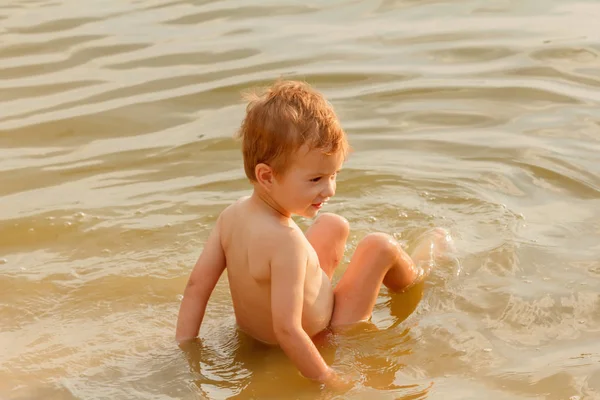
{"x": 116, "y": 155}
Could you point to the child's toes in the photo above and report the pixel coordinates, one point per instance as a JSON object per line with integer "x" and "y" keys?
{"x": 436, "y": 243}
{"x": 443, "y": 242}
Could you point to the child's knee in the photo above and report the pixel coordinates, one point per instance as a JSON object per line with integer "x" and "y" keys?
{"x": 337, "y": 225}
{"x": 382, "y": 246}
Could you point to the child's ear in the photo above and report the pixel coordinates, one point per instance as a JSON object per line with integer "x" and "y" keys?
{"x": 264, "y": 175}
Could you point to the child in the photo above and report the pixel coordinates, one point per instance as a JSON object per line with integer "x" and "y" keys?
{"x": 279, "y": 277}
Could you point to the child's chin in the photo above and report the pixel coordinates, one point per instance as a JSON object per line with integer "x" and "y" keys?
{"x": 310, "y": 213}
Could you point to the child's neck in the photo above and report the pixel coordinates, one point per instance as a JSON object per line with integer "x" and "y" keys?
{"x": 265, "y": 201}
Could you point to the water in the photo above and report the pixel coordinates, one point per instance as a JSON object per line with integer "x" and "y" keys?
{"x": 116, "y": 156}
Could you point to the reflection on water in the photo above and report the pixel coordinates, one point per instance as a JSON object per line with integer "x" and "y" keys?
{"x": 116, "y": 156}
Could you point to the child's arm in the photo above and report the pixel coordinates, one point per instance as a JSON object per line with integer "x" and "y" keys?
{"x": 202, "y": 281}
{"x": 288, "y": 270}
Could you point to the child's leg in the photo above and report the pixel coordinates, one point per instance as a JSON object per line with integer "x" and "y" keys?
{"x": 328, "y": 235}
{"x": 379, "y": 258}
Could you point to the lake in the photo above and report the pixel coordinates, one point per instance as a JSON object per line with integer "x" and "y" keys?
{"x": 117, "y": 154}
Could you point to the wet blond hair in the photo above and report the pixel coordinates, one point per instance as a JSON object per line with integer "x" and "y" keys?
{"x": 281, "y": 119}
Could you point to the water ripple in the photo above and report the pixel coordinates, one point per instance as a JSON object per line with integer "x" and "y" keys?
{"x": 116, "y": 156}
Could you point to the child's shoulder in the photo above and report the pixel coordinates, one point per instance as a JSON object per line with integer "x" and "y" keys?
{"x": 229, "y": 216}
{"x": 285, "y": 238}
{"x": 233, "y": 207}
{"x": 267, "y": 230}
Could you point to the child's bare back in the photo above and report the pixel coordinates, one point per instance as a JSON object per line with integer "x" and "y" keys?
{"x": 280, "y": 277}
{"x": 254, "y": 242}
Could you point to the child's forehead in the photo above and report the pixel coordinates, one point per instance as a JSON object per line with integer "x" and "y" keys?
{"x": 316, "y": 159}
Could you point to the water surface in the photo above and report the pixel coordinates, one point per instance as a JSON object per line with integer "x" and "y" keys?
{"x": 116, "y": 156}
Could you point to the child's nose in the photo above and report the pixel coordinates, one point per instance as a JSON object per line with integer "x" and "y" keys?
{"x": 329, "y": 189}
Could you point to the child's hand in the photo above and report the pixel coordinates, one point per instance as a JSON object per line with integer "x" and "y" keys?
{"x": 336, "y": 382}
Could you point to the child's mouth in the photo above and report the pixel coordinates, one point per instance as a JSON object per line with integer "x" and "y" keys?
{"x": 317, "y": 205}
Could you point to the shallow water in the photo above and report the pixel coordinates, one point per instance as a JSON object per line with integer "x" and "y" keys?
{"x": 116, "y": 156}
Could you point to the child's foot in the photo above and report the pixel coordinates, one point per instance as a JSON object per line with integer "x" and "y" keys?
{"x": 434, "y": 245}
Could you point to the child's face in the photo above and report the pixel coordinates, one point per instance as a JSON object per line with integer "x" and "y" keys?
{"x": 308, "y": 183}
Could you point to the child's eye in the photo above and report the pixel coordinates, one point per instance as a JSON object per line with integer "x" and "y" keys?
{"x": 316, "y": 179}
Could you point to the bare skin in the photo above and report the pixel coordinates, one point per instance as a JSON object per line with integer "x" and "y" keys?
{"x": 280, "y": 278}
{"x": 255, "y": 246}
